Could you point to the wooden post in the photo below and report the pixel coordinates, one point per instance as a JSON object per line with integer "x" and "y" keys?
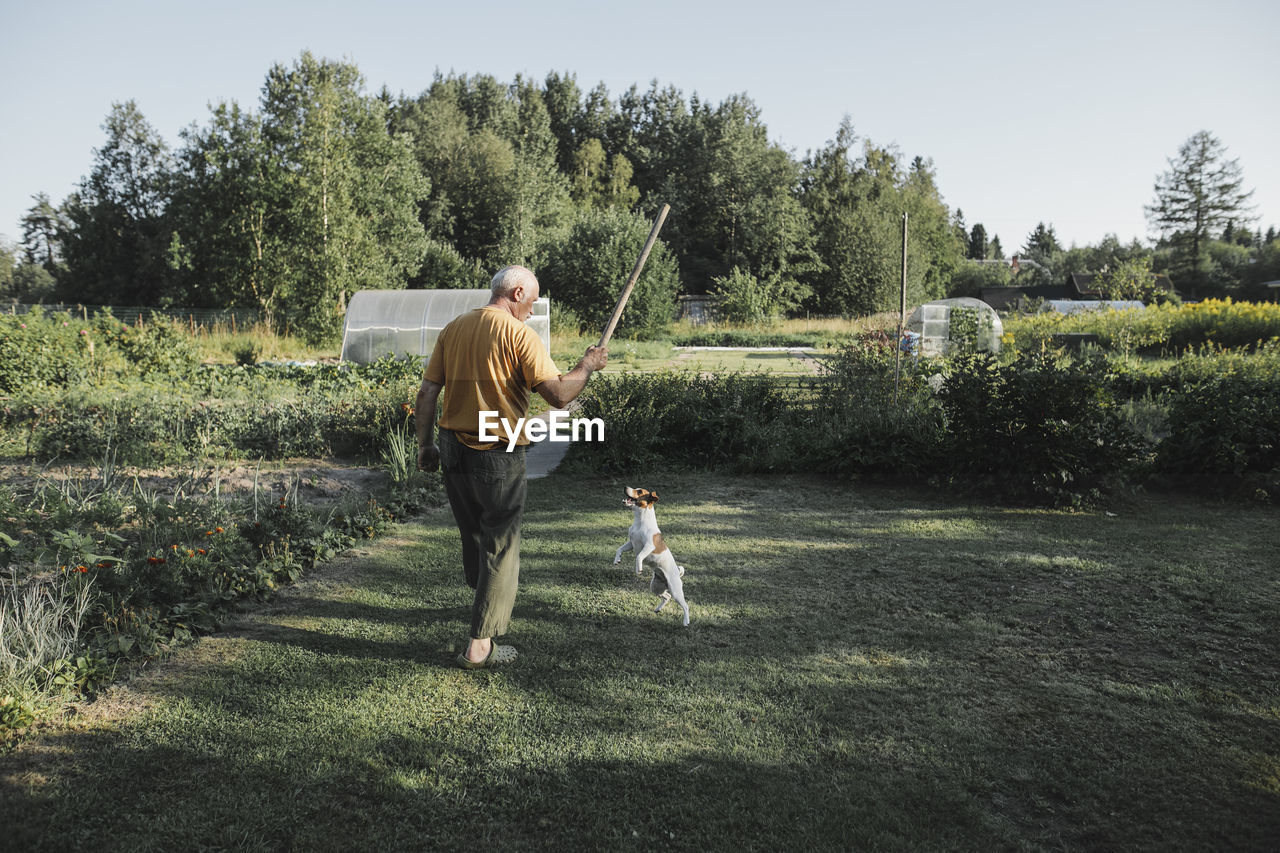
{"x": 635, "y": 274}
{"x": 902, "y": 313}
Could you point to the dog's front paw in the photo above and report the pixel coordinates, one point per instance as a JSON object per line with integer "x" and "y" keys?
{"x": 617, "y": 560}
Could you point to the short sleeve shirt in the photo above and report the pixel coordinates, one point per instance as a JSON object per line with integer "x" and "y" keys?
{"x": 487, "y": 360}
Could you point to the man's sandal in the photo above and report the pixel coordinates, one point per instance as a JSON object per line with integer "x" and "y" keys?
{"x": 497, "y": 655}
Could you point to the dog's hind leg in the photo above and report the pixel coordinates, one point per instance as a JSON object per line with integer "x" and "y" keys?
{"x": 674, "y": 589}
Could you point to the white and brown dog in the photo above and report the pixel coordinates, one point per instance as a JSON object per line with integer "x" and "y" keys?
{"x": 645, "y": 539}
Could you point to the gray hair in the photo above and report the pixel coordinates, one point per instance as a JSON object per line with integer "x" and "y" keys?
{"x": 509, "y": 278}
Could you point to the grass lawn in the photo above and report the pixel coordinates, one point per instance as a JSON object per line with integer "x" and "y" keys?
{"x": 867, "y": 668}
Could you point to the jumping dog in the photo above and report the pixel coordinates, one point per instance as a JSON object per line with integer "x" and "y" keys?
{"x": 645, "y": 539}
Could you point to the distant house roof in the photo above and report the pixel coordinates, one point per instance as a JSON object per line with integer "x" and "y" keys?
{"x": 1004, "y": 298}
{"x": 1083, "y": 285}
{"x": 1078, "y": 286}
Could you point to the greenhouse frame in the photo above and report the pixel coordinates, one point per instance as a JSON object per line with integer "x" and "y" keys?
{"x": 406, "y": 323}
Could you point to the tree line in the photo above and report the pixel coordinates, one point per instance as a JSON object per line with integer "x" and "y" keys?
{"x": 323, "y": 189}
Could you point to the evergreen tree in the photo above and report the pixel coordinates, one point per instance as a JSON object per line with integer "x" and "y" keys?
{"x": 1201, "y": 192}
{"x": 1042, "y": 245}
{"x": 977, "y": 248}
{"x": 40, "y": 228}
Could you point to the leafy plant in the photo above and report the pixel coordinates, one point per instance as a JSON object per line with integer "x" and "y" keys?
{"x": 40, "y": 623}
{"x": 1035, "y": 430}
{"x": 1226, "y": 428}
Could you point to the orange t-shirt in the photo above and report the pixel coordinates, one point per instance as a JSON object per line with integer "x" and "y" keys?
{"x": 488, "y": 361}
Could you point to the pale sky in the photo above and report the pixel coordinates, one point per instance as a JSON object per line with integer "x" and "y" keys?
{"x": 1055, "y": 112}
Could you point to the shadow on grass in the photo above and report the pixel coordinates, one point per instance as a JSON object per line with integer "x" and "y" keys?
{"x": 864, "y": 670}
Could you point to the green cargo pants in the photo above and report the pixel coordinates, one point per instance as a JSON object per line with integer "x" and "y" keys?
{"x": 486, "y": 490}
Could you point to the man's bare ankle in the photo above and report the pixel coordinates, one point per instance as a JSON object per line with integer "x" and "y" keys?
{"x": 478, "y": 650}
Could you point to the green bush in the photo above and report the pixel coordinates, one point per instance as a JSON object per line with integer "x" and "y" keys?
{"x": 1225, "y": 428}
{"x": 678, "y": 419}
{"x": 869, "y": 416}
{"x": 588, "y": 265}
{"x": 747, "y": 338}
{"x": 1033, "y": 431}
{"x": 159, "y": 345}
{"x": 57, "y": 351}
{"x": 41, "y": 350}
{"x": 743, "y": 298}
{"x": 1159, "y": 328}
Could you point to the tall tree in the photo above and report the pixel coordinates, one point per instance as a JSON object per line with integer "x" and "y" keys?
{"x": 1201, "y": 192}
{"x": 977, "y": 249}
{"x": 857, "y": 204}
{"x": 114, "y": 240}
{"x": 738, "y": 200}
{"x": 229, "y": 208}
{"x": 490, "y": 154}
{"x": 350, "y": 190}
{"x": 1042, "y": 244}
{"x": 8, "y": 265}
{"x": 40, "y": 228}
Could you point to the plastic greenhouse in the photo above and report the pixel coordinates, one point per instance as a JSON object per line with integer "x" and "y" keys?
{"x": 932, "y": 322}
{"x": 406, "y": 323}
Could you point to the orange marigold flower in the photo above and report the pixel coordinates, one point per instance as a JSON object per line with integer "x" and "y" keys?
{"x": 201, "y": 551}
{"x": 190, "y": 553}
{"x": 217, "y": 530}
{"x": 208, "y": 533}
{"x": 173, "y": 547}
{"x": 153, "y": 560}
{"x": 82, "y": 569}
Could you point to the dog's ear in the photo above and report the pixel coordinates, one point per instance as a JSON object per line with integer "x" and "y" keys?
{"x": 653, "y": 496}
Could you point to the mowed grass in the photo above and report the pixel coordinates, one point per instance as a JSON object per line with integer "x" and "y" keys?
{"x": 867, "y": 668}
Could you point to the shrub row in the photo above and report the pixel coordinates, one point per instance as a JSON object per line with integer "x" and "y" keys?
{"x": 220, "y": 411}
{"x": 1170, "y": 329}
{"x": 1040, "y": 429}
{"x": 751, "y": 338}
{"x": 58, "y": 350}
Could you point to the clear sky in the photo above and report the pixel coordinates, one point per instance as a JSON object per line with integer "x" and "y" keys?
{"x": 1055, "y": 112}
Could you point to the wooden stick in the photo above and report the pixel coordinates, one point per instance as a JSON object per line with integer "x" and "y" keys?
{"x": 635, "y": 275}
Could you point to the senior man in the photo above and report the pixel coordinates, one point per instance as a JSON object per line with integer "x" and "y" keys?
{"x": 488, "y": 360}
